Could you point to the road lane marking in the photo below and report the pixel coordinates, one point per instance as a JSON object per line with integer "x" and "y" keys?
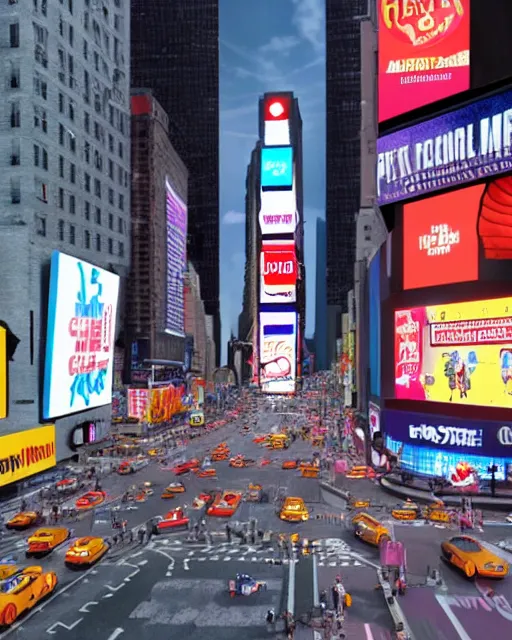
{"x": 117, "y": 632}
{"x": 53, "y": 629}
{"x": 185, "y": 565}
{"x": 443, "y": 603}
{"x": 368, "y": 631}
{"x": 85, "y": 607}
{"x": 114, "y": 589}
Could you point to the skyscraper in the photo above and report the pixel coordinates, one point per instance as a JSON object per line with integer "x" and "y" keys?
{"x": 320, "y": 348}
{"x": 175, "y": 54}
{"x": 343, "y": 97}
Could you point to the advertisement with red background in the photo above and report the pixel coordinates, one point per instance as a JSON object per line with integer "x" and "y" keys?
{"x": 423, "y": 53}
{"x": 409, "y": 327}
{"x": 461, "y": 236}
{"x": 278, "y": 272}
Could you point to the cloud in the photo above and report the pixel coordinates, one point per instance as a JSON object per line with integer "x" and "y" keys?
{"x": 309, "y": 18}
{"x": 240, "y": 134}
{"x": 280, "y": 44}
{"x": 233, "y": 217}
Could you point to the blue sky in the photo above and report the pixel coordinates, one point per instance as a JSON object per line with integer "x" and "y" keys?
{"x": 267, "y": 45}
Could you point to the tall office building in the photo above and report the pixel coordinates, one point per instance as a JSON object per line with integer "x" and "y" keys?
{"x": 65, "y": 150}
{"x": 175, "y": 54}
{"x": 320, "y": 342}
{"x": 343, "y": 97}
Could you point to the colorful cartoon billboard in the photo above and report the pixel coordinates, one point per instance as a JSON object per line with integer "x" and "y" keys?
{"x": 278, "y": 352}
{"x": 25, "y": 453}
{"x": 176, "y": 211}
{"x": 278, "y": 272}
{"x": 424, "y": 53}
{"x": 79, "y": 363}
{"x": 459, "y": 353}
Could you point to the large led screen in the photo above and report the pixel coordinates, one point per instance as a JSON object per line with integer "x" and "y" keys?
{"x": 176, "y": 211}
{"x": 79, "y": 362}
{"x": 472, "y": 142}
{"x": 278, "y": 213}
{"x": 276, "y": 167}
{"x": 278, "y": 351}
{"x": 459, "y": 353}
{"x": 278, "y": 272}
{"x": 3, "y": 373}
{"x": 277, "y": 120}
{"x": 374, "y": 312}
{"x": 423, "y": 53}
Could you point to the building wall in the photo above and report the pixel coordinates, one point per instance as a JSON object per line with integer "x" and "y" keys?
{"x": 175, "y": 52}
{"x": 320, "y": 350}
{"x": 60, "y": 196}
{"x": 195, "y": 320}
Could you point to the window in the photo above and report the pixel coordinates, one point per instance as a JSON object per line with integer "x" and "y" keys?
{"x": 15, "y": 115}
{"x": 98, "y": 242}
{"x": 71, "y": 64}
{"x": 96, "y": 61}
{"x": 45, "y": 160}
{"x": 61, "y": 198}
{"x": 62, "y": 65}
{"x": 121, "y": 202}
{"x": 62, "y": 132}
{"x": 121, "y": 249}
{"x": 15, "y": 76}
{"x": 61, "y": 27}
{"x": 87, "y": 87}
{"x": 14, "y": 35}
{"x": 60, "y": 230}
{"x": 70, "y": 6}
{"x": 97, "y": 188}
{"x": 72, "y": 142}
{"x": 121, "y": 150}
{"x": 120, "y": 225}
{"x": 41, "y": 190}
{"x": 86, "y": 20}
{"x": 40, "y": 119}
{"x": 87, "y": 239}
{"x": 111, "y": 169}
{"x": 97, "y": 103}
{"x": 40, "y": 87}
{"x": 15, "y": 190}
{"x": 111, "y": 196}
{"x": 120, "y": 176}
{"x": 72, "y": 173}
{"x": 44, "y": 7}
{"x": 61, "y": 103}
{"x": 72, "y": 203}
{"x": 87, "y": 122}
{"x": 71, "y": 35}
{"x": 111, "y": 143}
{"x": 110, "y": 246}
{"x": 87, "y": 182}
{"x": 87, "y": 153}
{"x": 71, "y": 110}
{"x": 98, "y": 160}
{"x": 86, "y": 50}
{"x": 61, "y": 166}
{"x": 111, "y": 114}
{"x": 15, "y": 153}
{"x": 87, "y": 210}
{"x": 111, "y": 221}
{"x": 97, "y": 215}
{"x": 36, "y": 155}
{"x": 41, "y": 226}
{"x": 72, "y": 234}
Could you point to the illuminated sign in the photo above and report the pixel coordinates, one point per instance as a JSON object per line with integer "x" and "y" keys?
{"x": 138, "y": 403}
{"x": 423, "y": 53}
{"x": 196, "y": 419}
{"x": 25, "y": 453}
{"x": 464, "y": 145}
{"x": 3, "y": 373}
{"x": 278, "y": 272}
{"x": 80, "y": 337}
{"x": 276, "y": 113}
{"x": 276, "y": 167}
{"x": 373, "y": 419}
{"x": 278, "y": 352}
{"x": 459, "y": 353}
{"x": 278, "y": 213}
{"x": 176, "y": 211}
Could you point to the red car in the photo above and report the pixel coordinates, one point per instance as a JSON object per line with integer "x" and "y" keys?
{"x": 90, "y": 500}
{"x": 186, "y": 467}
{"x": 225, "y": 504}
{"x": 172, "y": 520}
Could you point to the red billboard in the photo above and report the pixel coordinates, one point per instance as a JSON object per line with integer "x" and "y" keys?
{"x": 277, "y": 108}
{"x": 423, "y": 53}
{"x": 278, "y": 272}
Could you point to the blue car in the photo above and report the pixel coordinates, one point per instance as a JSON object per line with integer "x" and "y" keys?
{"x": 245, "y": 585}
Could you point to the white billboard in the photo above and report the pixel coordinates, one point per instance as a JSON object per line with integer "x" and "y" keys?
{"x": 278, "y": 352}
{"x": 278, "y": 214}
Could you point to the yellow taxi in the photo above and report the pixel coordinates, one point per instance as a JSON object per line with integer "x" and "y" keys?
{"x": 369, "y": 529}
{"x": 43, "y": 541}
{"x": 469, "y": 556}
{"x": 294, "y": 510}
{"x": 21, "y": 590}
{"x": 86, "y": 551}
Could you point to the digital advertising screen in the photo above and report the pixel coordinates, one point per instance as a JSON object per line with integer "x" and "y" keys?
{"x": 459, "y": 353}
{"x": 373, "y": 419}
{"x": 462, "y": 146}
{"x": 79, "y": 362}
{"x": 278, "y": 351}
{"x": 424, "y": 52}
{"x": 276, "y": 167}
{"x": 3, "y": 373}
{"x": 26, "y": 453}
{"x": 278, "y": 272}
{"x": 375, "y": 321}
{"x": 277, "y": 120}
{"x": 278, "y": 213}
{"x": 176, "y": 211}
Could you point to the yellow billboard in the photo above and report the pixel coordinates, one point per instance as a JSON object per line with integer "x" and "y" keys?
{"x": 459, "y": 353}
{"x": 25, "y": 453}
{"x": 3, "y": 373}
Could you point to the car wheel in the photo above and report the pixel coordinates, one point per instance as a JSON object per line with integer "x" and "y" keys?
{"x": 10, "y": 615}
{"x": 470, "y": 569}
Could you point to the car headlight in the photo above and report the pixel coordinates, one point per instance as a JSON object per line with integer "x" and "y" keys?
{"x": 83, "y": 554}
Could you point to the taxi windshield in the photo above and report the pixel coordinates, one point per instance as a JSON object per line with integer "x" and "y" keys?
{"x": 294, "y": 506}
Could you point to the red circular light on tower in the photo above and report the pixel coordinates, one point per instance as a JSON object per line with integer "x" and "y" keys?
{"x": 276, "y": 109}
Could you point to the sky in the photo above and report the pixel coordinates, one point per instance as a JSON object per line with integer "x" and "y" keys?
{"x": 267, "y": 45}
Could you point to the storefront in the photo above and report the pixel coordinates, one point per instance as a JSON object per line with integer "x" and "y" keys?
{"x": 26, "y": 453}
{"x": 435, "y": 445}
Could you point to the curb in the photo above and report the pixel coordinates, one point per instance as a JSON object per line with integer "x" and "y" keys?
{"x": 335, "y": 491}
{"x": 395, "y": 610}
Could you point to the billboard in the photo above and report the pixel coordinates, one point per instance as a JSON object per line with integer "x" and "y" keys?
{"x": 176, "y": 212}
{"x": 458, "y": 147}
{"x": 373, "y": 419}
{"x": 278, "y": 272}
{"x": 423, "y": 53}
{"x": 276, "y": 114}
{"x": 278, "y": 351}
{"x": 3, "y": 373}
{"x": 276, "y": 167}
{"x": 25, "y": 453}
{"x": 79, "y": 362}
{"x": 278, "y": 213}
{"x": 459, "y": 353}
{"x": 374, "y": 320}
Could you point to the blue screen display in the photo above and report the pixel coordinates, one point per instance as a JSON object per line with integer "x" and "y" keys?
{"x": 276, "y": 167}
{"x": 374, "y": 310}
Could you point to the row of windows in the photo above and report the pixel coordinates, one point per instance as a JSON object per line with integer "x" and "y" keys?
{"x": 88, "y": 237}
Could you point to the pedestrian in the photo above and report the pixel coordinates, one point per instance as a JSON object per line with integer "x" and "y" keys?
{"x": 114, "y": 538}
{"x": 23, "y": 506}
{"x": 121, "y": 536}
{"x": 228, "y": 532}
{"x": 141, "y": 533}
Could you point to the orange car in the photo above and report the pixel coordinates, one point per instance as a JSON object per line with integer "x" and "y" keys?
{"x": 206, "y": 473}
{"x": 86, "y": 551}
{"x": 43, "y": 541}
{"x": 225, "y": 504}
{"x": 290, "y": 464}
{"x": 23, "y": 520}
{"x": 22, "y": 590}
{"x": 260, "y": 439}
{"x": 90, "y": 500}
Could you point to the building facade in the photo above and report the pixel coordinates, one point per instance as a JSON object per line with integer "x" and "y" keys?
{"x": 320, "y": 341}
{"x": 65, "y": 138}
{"x": 175, "y": 53}
{"x": 157, "y": 173}
{"x": 195, "y": 322}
